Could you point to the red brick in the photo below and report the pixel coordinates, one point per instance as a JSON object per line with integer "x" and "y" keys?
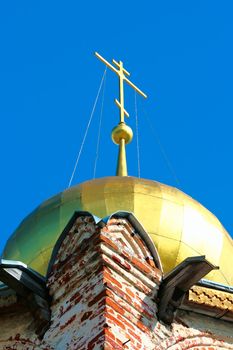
{"x": 111, "y": 279}
{"x": 117, "y": 308}
{"x": 114, "y": 305}
{"x": 62, "y": 327}
{"x": 108, "y": 242}
{"x": 92, "y": 343}
{"x": 98, "y": 297}
{"x": 113, "y": 344}
{"x": 115, "y": 321}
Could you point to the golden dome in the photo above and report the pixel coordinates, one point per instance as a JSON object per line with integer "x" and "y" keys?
{"x": 179, "y": 226}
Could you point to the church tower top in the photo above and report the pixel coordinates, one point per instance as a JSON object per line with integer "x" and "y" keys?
{"x": 122, "y": 134}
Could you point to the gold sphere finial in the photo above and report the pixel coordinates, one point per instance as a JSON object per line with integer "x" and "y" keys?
{"x": 122, "y": 131}
{"x": 121, "y": 135}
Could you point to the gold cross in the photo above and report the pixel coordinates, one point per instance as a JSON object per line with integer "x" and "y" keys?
{"x": 121, "y": 72}
{"x": 122, "y": 134}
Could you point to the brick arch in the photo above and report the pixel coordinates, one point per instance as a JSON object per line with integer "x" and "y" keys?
{"x": 68, "y": 240}
{"x": 147, "y": 240}
{"x": 103, "y": 282}
{"x": 194, "y": 342}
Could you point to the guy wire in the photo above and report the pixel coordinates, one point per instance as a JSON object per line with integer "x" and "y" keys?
{"x": 164, "y": 154}
{"x": 137, "y": 136}
{"x": 100, "y": 124}
{"x": 87, "y": 128}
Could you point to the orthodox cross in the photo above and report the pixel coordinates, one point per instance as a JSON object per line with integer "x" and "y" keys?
{"x": 122, "y": 134}
{"x": 121, "y": 72}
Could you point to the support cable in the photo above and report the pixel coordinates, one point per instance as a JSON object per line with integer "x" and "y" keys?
{"x": 164, "y": 154}
{"x": 137, "y": 136}
{"x": 99, "y": 129}
{"x": 87, "y": 128}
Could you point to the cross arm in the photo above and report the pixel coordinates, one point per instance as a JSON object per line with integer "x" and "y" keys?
{"x": 135, "y": 87}
{"x": 118, "y": 65}
{"x": 106, "y": 62}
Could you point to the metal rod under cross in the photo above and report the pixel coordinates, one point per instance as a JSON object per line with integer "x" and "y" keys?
{"x": 122, "y": 134}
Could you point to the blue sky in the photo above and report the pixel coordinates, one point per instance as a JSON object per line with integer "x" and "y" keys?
{"x": 179, "y": 52}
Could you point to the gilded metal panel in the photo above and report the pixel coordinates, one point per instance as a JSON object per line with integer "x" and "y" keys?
{"x": 179, "y": 226}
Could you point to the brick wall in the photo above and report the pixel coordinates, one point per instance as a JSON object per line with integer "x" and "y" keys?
{"x": 104, "y": 284}
{"x": 106, "y": 289}
{"x": 16, "y": 325}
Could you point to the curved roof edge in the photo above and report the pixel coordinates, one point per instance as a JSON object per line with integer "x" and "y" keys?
{"x": 140, "y": 230}
{"x": 101, "y": 223}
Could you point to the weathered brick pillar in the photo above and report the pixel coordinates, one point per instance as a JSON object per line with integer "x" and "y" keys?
{"x": 103, "y": 284}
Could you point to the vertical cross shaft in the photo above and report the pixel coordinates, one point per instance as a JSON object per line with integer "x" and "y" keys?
{"x": 121, "y": 92}
{"x": 122, "y": 133}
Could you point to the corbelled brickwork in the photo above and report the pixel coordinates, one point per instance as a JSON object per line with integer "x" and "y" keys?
{"x": 212, "y": 298}
{"x": 104, "y": 284}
